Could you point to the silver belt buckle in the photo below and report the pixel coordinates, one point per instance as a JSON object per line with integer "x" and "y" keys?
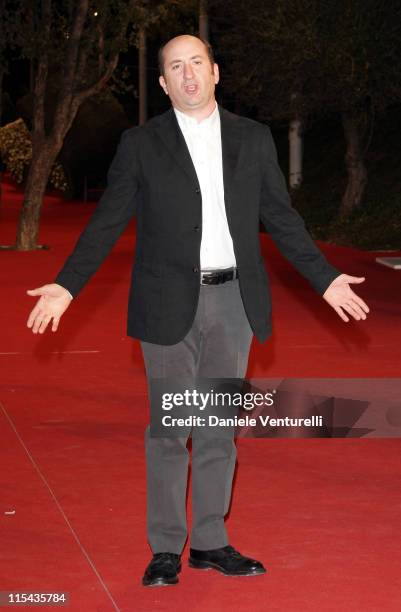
{"x": 216, "y": 273}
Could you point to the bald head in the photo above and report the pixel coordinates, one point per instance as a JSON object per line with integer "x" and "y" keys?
{"x": 189, "y": 77}
{"x": 183, "y": 38}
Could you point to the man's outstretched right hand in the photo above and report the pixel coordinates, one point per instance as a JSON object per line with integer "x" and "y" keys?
{"x": 54, "y": 301}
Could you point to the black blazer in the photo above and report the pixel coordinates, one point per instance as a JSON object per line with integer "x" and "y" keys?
{"x": 152, "y": 175}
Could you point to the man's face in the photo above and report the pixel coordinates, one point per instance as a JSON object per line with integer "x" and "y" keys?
{"x": 189, "y": 78}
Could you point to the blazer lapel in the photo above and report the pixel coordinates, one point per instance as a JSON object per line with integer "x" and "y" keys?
{"x": 169, "y": 132}
{"x": 231, "y": 146}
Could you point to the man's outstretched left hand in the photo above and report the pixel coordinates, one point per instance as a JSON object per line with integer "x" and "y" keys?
{"x": 344, "y": 301}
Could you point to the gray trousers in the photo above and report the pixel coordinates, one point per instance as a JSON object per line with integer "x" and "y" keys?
{"x": 217, "y": 346}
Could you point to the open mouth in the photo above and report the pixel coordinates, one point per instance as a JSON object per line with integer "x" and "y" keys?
{"x": 191, "y": 89}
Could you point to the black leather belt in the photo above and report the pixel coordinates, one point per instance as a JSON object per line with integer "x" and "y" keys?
{"x": 217, "y": 277}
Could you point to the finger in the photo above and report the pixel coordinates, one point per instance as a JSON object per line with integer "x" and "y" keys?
{"x": 341, "y": 314}
{"x": 351, "y": 311}
{"x": 360, "y": 302}
{"x": 38, "y": 291}
{"x": 32, "y": 316}
{"x": 44, "y": 324}
{"x": 55, "y": 325}
{"x": 355, "y": 279}
{"x": 37, "y": 322}
{"x": 358, "y": 309}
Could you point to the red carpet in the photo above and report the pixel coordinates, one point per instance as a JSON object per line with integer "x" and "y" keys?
{"x": 322, "y": 515}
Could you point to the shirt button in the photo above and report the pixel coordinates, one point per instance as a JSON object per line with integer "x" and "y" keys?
{"x": 195, "y": 269}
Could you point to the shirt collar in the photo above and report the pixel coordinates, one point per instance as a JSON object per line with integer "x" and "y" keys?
{"x": 187, "y": 123}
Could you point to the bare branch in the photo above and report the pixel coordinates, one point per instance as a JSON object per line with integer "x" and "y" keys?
{"x": 74, "y": 43}
{"x": 101, "y": 50}
{"x": 66, "y": 91}
{"x": 81, "y": 65}
{"x": 97, "y": 86}
{"x": 106, "y": 68}
{"x": 41, "y": 76}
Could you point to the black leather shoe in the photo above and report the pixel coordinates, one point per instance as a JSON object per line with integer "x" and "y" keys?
{"x": 226, "y": 560}
{"x": 163, "y": 570}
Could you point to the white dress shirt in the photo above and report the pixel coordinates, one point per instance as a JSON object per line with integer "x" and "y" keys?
{"x": 203, "y": 140}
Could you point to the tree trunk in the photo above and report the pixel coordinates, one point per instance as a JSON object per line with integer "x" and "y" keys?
{"x": 354, "y": 129}
{"x": 28, "y": 224}
{"x": 1, "y": 94}
{"x": 295, "y": 144}
{"x": 1, "y": 120}
{"x": 142, "y": 77}
{"x": 203, "y": 20}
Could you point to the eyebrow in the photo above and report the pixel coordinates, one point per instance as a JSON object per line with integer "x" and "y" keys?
{"x": 174, "y": 61}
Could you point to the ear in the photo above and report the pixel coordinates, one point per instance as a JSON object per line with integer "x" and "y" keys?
{"x": 216, "y": 73}
{"x": 163, "y": 84}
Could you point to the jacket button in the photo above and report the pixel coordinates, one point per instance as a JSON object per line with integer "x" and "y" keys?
{"x": 197, "y": 190}
{"x": 195, "y": 269}
{"x": 196, "y": 228}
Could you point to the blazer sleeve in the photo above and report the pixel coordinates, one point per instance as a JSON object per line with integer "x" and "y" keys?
{"x": 286, "y": 226}
{"x": 112, "y": 214}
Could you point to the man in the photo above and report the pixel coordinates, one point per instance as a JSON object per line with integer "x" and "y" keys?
{"x": 199, "y": 180}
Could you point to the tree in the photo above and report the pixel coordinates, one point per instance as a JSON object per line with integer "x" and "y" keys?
{"x": 296, "y": 59}
{"x": 16, "y": 154}
{"x": 8, "y": 16}
{"x": 363, "y": 77}
{"x": 272, "y": 53}
{"x": 73, "y": 45}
